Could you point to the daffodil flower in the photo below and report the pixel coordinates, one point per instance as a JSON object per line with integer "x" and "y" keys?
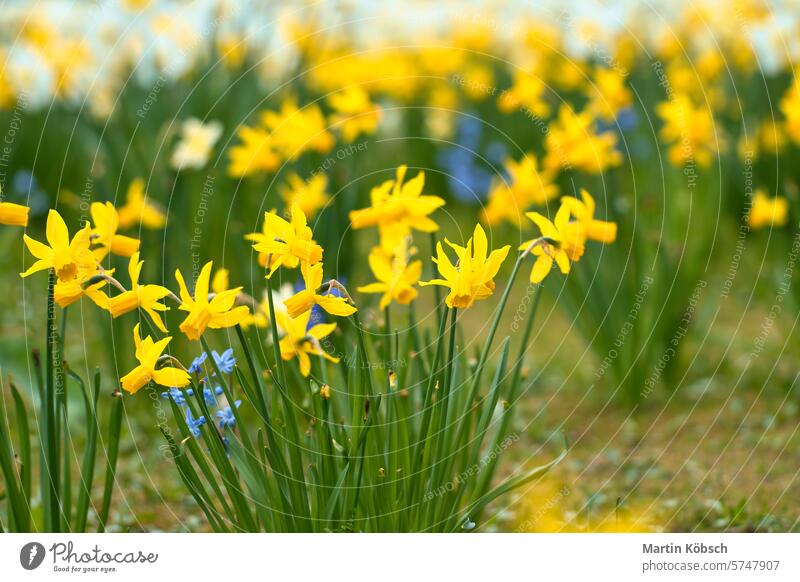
{"x": 767, "y": 211}
{"x": 396, "y": 277}
{"x": 526, "y": 185}
{"x": 104, "y": 233}
{"x": 286, "y": 243}
{"x": 296, "y": 130}
{"x": 583, "y": 211}
{"x": 555, "y": 245}
{"x": 138, "y": 210}
{"x": 65, "y": 257}
{"x": 148, "y": 354}
{"x": 397, "y": 208}
{"x": 147, "y": 297}
{"x": 13, "y": 214}
{"x": 304, "y": 300}
{"x": 573, "y": 141}
{"x": 254, "y": 154}
{"x": 300, "y": 341}
{"x": 197, "y": 141}
{"x": 472, "y": 277}
{"x": 215, "y": 311}
{"x": 309, "y": 195}
{"x": 355, "y": 113}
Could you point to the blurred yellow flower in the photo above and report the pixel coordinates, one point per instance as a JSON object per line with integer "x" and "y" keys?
{"x": 527, "y": 185}
{"x": 13, "y": 214}
{"x": 528, "y": 92}
{"x": 295, "y": 130}
{"x": 139, "y": 210}
{"x": 608, "y": 94}
{"x": 790, "y": 107}
{"x": 146, "y": 297}
{"x": 215, "y": 311}
{"x": 302, "y": 341}
{"x": 148, "y": 353}
{"x": 397, "y": 208}
{"x": 195, "y": 145}
{"x": 309, "y": 195}
{"x": 472, "y": 277}
{"x": 304, "y": 300}
{"x": 767, "y": 210}
{"x": 256, "y": 153}
{"x": 286, "y": 243}
{"x": 104, "y": 233}
{"x": 573, "y": 142}
{"x": 232, "y": 50}
{"x": 355, "y": 113}
{"x": 690, "y": 131}
{"x": 395, "y": 274}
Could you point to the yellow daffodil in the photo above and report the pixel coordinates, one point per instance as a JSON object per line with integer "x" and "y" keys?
{"x": 396, "y": 277}
{"x": 472, "y": 277}
{"x": 232, "y": 50}
{"x": 767, "y": 210}
{"x": 254, "y": 154}
{"x": 220, "y": 280}
{"x": 295, "y": 131}
{"x": 355, "y": 113}
{"x": 139, "y": 210}
{"x": 288, "y": 243}
{"x": 146, "y": 297}
{"x": 397, "y": 208}
{"x": 204, "y": 310}
{"x": 309, "y": 195}
{"x": 527, "y": 185}
{"x": 528, "y": 92}
{"x": 195, "y": 145}
{"x": 304, "y": 300}
{"x": 301, "y": 341}
{"x": 13, "y": 214}
{"x": 573, "y": 142}
{"x": 148, "y": 354}
{"x": 73, "y": 263}
{"x": 559, "y": 243}
{"x": 790, "y": 107}
{"x": 65, "y": 257}
{"x": 608, "y": 94}
{"x": 583, "y": 211}
{"x": 690, "y": 131}
{"x": 104, "y": 233}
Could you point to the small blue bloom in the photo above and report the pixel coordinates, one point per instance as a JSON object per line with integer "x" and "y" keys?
{"x": 210, "y": 395}
{"x": 197, "y": 364}
{"x": 194, "y": 424}
{"x": 177, "y": 396}
{"x": 226, "y": 417}
{"x": 225, "y": 361}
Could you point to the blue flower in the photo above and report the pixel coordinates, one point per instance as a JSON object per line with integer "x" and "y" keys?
{"x": 226, "y": 417}
{"x": 197, "y": 364}
{"x": 210, "y": 395}
{"x": 194, "y": 424}
{"x": 177, "y": 396}
{"x": 225, "y": 361}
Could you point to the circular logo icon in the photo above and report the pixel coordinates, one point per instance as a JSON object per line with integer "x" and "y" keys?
{"x": 31, "y": 555}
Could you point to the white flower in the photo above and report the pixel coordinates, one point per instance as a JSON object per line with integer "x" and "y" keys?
{"x": 194, "y": 147}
